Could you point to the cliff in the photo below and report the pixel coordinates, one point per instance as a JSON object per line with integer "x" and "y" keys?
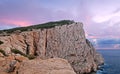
{"x": 63, "y": 41}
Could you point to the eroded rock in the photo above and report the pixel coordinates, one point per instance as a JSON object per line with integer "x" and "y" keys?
{"x": 49, "y": 66}
{"x": 10, "y": 64}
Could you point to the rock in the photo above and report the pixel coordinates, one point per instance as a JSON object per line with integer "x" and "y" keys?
{"x": 7, "y": 66}
{"x": 49, "y": 66}
{"x": 10, "y": 64}
{"x": 99, "y": 60}
{"x": 67, "y": 42}
{"x": 21, "y": 58}
{"x": 1, "y": 55}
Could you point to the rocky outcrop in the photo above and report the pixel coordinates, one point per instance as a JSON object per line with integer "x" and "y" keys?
{"x": 11, "y": 64}
{"x": 67, "y": 42}
{"x": 49, "y": 66}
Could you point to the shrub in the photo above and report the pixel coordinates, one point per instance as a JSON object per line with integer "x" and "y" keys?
{"x": 15, "y": 51}
{"x": 1, "y": 42}
{"x": 30, "y": 57}
{"x": 3, "y": 52}
{"x": 38, "y": 26}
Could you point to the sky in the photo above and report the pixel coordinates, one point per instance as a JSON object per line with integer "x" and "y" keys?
{"x": 101, "y": 18}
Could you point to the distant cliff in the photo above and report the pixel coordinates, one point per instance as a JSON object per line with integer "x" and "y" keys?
{"x": 66, "y": 41}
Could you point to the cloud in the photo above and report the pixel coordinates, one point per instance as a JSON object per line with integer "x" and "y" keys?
{"x": 109, "y": 43}
{"x": 100, "y": 17}
{"x": 6, "y": 26}
{"x": 106, "y": 17}
{"x": 15, "y": 22}
{"x": 25, "y": 12}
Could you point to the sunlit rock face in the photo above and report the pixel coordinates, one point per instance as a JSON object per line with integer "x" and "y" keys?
{"x": 67, "y": 42}
{"x": 48, "y": 66}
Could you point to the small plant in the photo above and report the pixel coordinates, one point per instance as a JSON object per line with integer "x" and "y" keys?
{"x": 15, "y": 51}
{"x": 1, "y": 42}
{"x": 30, "y": 57}
{"x": 3, "y": 52}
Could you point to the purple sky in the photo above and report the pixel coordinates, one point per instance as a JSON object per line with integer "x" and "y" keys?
{"x": 101, "y": 18}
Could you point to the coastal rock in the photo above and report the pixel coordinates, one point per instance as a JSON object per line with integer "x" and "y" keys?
{"x": 67, "y": 42}
{"x": 49, "y": 66}
{"x": 1, "y": 55}
{"x": 10, "y": 64}
{"x": 99, "y": 60}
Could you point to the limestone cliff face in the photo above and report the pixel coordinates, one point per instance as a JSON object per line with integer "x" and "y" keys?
{"x": 67, "y": 42}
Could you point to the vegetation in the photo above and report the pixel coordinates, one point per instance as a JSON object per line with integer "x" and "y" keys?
{"x": 31, "y": 57}
{"x": 1, "y": 42}
{"x": 38, "y": 26}
{"x": 15, "y": 51}
{"x": 3, "y": 52}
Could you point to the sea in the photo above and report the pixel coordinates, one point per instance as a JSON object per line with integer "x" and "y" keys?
{"x": 112, "y": 61}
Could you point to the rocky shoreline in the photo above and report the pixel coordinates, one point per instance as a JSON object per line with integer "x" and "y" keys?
{"x": 64, "y": 50}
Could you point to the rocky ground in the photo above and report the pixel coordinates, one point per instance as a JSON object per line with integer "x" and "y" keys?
{"x": 21, "y": 65}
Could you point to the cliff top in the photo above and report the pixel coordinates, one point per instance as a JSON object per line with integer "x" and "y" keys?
{"x": 38, "y": 26}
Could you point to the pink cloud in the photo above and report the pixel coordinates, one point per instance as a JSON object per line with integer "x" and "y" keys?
{"x": 15, "y": 22}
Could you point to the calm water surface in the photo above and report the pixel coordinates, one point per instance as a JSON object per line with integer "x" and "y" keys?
{"x": 112, "y": 62}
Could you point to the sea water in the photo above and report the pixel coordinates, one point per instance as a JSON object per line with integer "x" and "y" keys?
{"x": 112, "y": 62}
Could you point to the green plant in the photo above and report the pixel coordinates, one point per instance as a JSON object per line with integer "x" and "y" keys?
{"x": 1, "y": 42}
{"x": 38, "y": 26}
{"x": 15, "y": 51}
{"x": 3, "y": 52}
{"x": 30, "y": 57}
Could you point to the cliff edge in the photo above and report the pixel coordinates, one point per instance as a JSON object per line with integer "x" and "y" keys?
{"x": 66, "y": 41}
